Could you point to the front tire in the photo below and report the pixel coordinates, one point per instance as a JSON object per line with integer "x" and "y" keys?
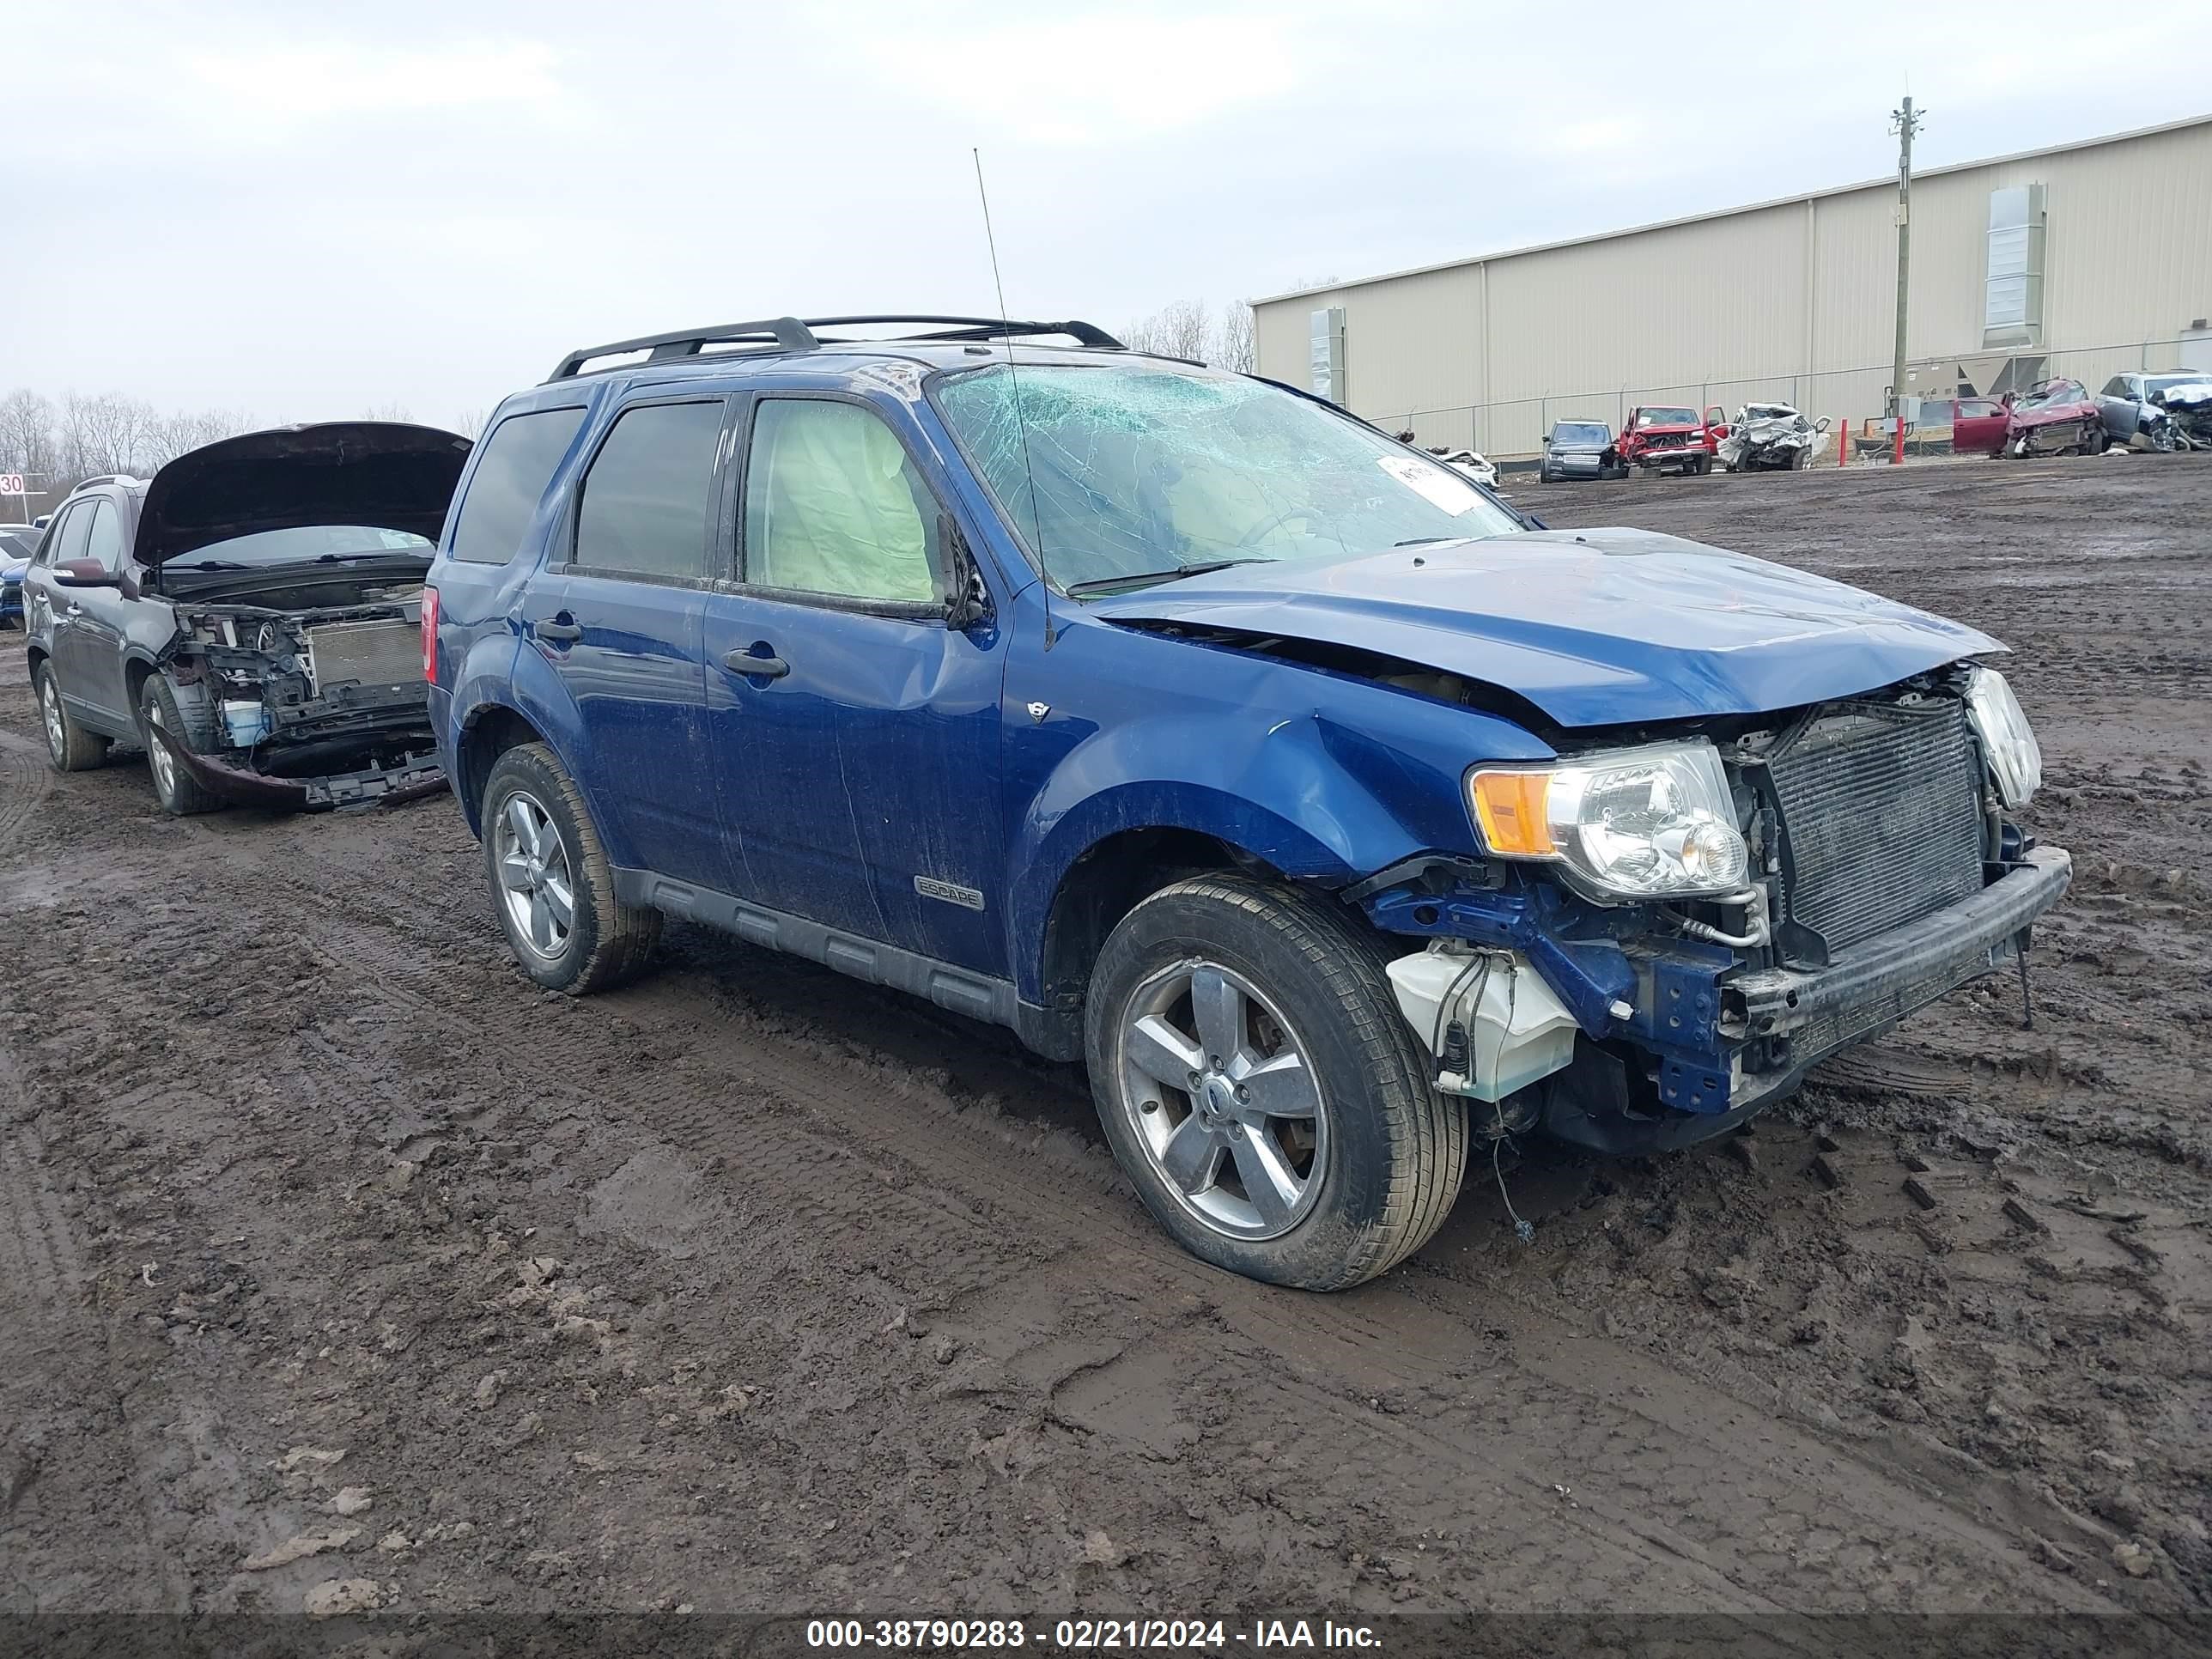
{"x": 70, "y": 747}
{"x": 1260, "y": 1088}
{"x": 177, "y": 790}
{"x": 552, "y": 887}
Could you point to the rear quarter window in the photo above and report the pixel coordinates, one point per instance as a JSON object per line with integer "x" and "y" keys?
{"x": 508, "y": 482}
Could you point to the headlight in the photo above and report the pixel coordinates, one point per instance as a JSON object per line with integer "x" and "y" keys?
{"x": 1651, "y": 822}
{"x": 2015, "y": 758}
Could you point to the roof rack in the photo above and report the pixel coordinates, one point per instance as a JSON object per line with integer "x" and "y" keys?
{"x": 794, "y": 334}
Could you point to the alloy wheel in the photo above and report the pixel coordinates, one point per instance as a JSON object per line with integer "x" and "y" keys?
{"x": 158, "y": 760}
{"x": 1219, "y": 1091}
{"x": 535, "y": 882}
{"x": 49, "y": 705}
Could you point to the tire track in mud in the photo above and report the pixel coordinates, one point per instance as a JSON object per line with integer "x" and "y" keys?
{"x": 26, "y": 778}
{"x": 36, "y": 1246}
{"x": 1339, "y": 1350}
{"x": 895, "y": 1213}
{"x": 1025, "y": 1249}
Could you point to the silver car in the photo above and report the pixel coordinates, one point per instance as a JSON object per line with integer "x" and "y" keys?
{"x": 2131, "y": 402}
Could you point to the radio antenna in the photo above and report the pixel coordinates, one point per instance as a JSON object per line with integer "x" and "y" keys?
{"x": 1013, "y": 382}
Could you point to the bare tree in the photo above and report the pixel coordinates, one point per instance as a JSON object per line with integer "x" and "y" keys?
{"x": 103, "y": 433}
{"x": 472, "y": 422}
{"x": 1179, "y": 329}
{"x": 168, "y": 436}
{"x": 1234, "y": 348}
{"x": 87, "y": 437}
{"x": 1187, "y": 329}
{"x": 398, "y": 412}
{"x": 26, "y": 435}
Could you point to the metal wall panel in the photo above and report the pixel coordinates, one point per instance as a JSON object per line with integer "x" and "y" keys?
{"x": 1791, "y": 300}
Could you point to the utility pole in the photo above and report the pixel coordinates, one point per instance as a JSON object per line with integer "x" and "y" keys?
{"x": 1904, "y": 121}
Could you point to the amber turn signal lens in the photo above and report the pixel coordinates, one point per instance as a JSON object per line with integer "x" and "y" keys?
{"x": 1510, "y": 808}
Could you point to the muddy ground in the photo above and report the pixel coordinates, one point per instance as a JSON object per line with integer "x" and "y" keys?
{"x": 750, "y": 1288}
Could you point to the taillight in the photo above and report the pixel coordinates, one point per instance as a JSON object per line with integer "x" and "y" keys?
{"x": 431, "y": 634}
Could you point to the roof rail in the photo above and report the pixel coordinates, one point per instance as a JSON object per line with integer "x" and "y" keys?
{"x": 980, "y": 328}
{"x": 785, "y": 333}
{"x": 104, "y": 478}
{"x": 794, "y": 334}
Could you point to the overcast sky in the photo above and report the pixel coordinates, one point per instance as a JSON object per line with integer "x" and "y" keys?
{"x": 305, "y": 211}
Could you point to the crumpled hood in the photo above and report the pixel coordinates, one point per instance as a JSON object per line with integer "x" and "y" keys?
{"x": 1594, "y": 627}
{"x": 382, "y": 474}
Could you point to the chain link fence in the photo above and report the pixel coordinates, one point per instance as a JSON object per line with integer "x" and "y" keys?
{"x": 1850, "y": 397}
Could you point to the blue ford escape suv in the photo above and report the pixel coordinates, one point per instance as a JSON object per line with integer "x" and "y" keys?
{"x": 1335, "y": 813}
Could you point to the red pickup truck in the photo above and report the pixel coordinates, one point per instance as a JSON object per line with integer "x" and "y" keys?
{"x": 1671, "y": 438}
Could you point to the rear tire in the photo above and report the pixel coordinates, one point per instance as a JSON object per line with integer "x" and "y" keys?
{"x": 177, "y": 790}
{"x": 70, "y": 747}
{"x": 1319, "y": 1198}
{"x": 552, "y": 887}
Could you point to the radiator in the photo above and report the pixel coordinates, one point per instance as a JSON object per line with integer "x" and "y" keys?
{"x": 386, "y": 652}
{"x": 1881, "y": 811}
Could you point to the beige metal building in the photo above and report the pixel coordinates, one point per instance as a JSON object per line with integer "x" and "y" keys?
{"x": 2083, "y": 260}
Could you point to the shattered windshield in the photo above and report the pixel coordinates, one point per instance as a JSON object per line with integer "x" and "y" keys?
{"x": 2159, "y": 385}
{"x": 1666, "y": 417}
{"x": 1115, "y": 472}
{"x": 301, "y": 545}
{"x": 2050, "y": 392}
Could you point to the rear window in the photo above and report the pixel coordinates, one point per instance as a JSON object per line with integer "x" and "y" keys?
{"x": 516, "y": 464}
{"x": 646, "y": 502}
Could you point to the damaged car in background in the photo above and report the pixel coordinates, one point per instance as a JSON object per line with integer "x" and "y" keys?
{"x": 2055, "y": 417}
{"x": 2164, "y": 412}
{"x": 250, "y": 616}
{"x": 1771, "y": 438}
{"x": 1469, "y": 464}
{"x": 2190, "y": 408}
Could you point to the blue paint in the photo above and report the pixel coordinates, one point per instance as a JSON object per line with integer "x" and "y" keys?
{"x": 1594, "y": 627}
{"x": 900, "y": 759}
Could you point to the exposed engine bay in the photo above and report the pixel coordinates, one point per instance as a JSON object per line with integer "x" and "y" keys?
{"x": 2189, "y": 407}
{"x": 306, "y": 687}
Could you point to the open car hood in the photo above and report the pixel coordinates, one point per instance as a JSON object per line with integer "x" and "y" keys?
{"x": 1594, "y": 627}
{"x": 379, "y": 473}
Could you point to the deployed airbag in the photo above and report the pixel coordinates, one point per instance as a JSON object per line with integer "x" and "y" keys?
{"x": 834, "y": 505}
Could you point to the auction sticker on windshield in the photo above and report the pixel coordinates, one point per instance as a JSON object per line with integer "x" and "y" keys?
{"x": 1433, "y": 483}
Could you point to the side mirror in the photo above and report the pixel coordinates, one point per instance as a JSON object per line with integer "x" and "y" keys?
{"x": 86, "y": 573}
{"x": 1822, "y": 424}
{"x": 968, "y": 601}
